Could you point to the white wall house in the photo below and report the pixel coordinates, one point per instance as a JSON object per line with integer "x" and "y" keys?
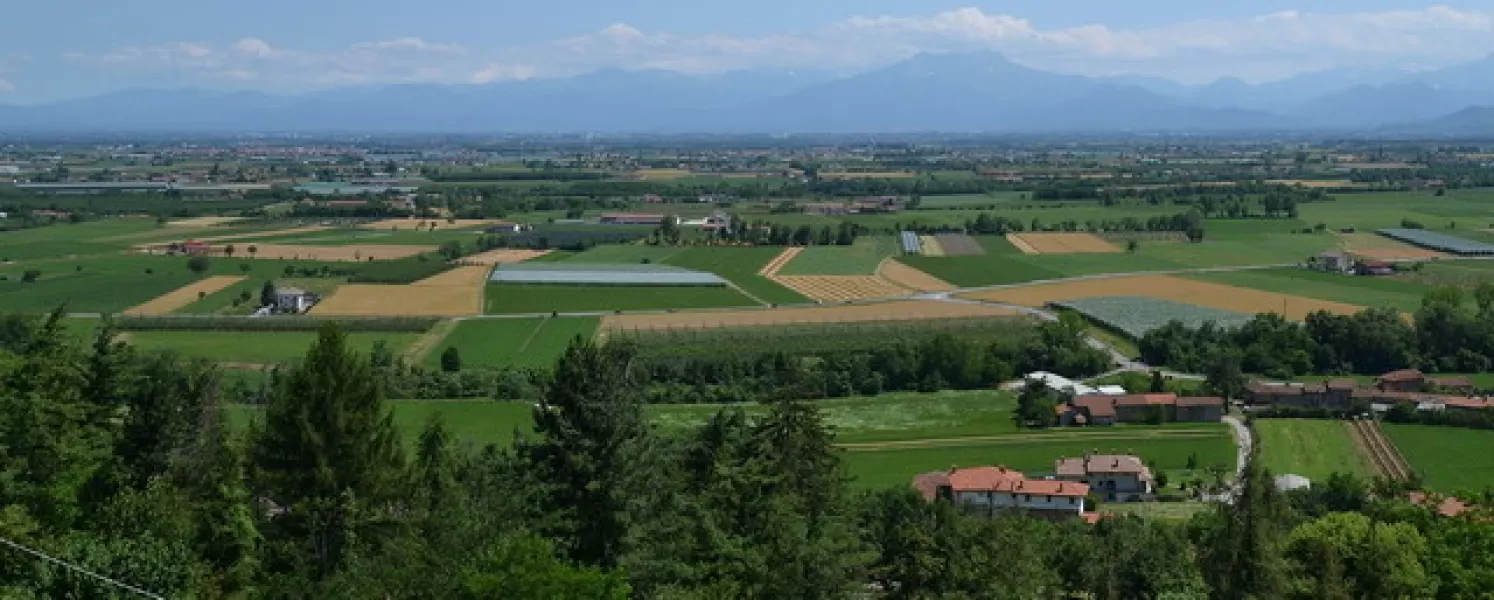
{"x": 991, "y": 490}
{"x": 1116, "y": 477}
{"x": 293, "y": 300}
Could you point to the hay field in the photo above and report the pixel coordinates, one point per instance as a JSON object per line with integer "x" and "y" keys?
{"x": 905, "y": 276}
{"x": 182, "y": 296}
{"x": 265, "y": 234}
{"x": 905, "y": 310}
{"x": 409, "y": 224}
{"x": 841, "y": 288}
{"x": 1061, "y": 243}
{"x": 457, "y": 292}
{"x": 195, "y": 222}
{"x": 493, "y": 257}
{"x": 1379, "y": 247}
{"x": 1212, "y": 295}
{"x": 352, "y": 253}
{"x": 931, "y": 245}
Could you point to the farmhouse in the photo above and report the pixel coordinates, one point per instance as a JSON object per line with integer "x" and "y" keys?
{"x": 1099, "y": 409}
{"x": 1374, "y": 268}
{"x": 189, "y": 248}
{"x": 1407, "y": 386}
{"x": 294, "y": 300}
{"x": 1334, "y": 261}
{"x": 988, "y": 491}
{"x": 1120, "y": 477}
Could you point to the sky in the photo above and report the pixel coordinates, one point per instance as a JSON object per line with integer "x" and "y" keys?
{"x": 61, "y": 49}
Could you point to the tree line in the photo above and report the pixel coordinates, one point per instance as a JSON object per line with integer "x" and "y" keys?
{"x": 124, "y": 463}
{"x": 1452, "y": 332}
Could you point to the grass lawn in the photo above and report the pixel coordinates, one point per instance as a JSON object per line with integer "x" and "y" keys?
{"x": 526, "y": 299}
{"x": 1166, "y": 511}
{"x": 739, "y": 266}
{"x": 1449, "y": 459}
{"x": 1374, "y": 292}
{"x": 860, "y": 258}
{"x": 975, "y": 271}
{"x": 254, "y": 347}
{"x": 534, "y": 342}
{"x": 1312, "y": 448}
{"x": 896, "y": 465}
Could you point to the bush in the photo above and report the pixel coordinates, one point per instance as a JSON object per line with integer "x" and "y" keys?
{"x": 30, "y": 276}
{"x": 199, "y": 264}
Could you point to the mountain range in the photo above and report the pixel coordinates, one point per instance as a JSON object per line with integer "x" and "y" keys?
{"x": 971, "y": 92}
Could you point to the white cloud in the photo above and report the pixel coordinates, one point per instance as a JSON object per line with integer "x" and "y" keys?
{"x": 1265, "y": 46}
{"x": 254, "y": 47}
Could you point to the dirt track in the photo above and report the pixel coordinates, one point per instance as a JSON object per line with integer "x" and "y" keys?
{"x": 1213, "y": 295}
{"x": 457, "y": 292}
{"x": 182, "y": 296}
{"x": 903, "y": 310}
{"x": 1370, "y": 439}
{"x": 783, "y": 258}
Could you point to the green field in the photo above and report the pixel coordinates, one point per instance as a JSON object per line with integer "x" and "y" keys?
{"x": 628, "y": 253}
{"x": 1373, "y": 292}
{"x": 254, "y": 347}
{"x": 534, "y": 342}
{"x": 538, "y": 299}
{"x": 1469, "y": 209}
{"x": 1462, "y": 273}
{"x": 860, "y": 258}
{"x": 739, "y": 266}
{"x": 1449, "y": 459}
{"x": 1311, "y": 448}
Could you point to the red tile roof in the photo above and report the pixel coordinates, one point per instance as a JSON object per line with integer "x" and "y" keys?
{"x": 1446, "y": 506}
{"x": 1167, "y": 399}
{"x": 1101, "y": 463}
{"x": 1097, "y": 406}
{"x": 1403, "y": 375}
{"x": 1451, "y": 382}
{"x": 994, "y": 479}
{"x": 1189, "y": 401}
{"x": 1342, "y": 384}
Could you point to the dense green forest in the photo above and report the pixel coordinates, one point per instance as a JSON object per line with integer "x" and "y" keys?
{"x": 118, "y": 462}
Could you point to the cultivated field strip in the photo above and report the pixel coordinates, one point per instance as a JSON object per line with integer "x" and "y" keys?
{"x": 410, "y": 224}
{"x": 507, "y": 255}
{"x": 1187, "y": 291}
{"x": 182, "y": 296}
{"x": 1383, "y": 454}
{"x": 908, "y": 277}
{"x": 902, "y": 310}
{"x": 1378, "y": 247}
{"x": 457, "y": 292}
{"x": 931, "y": 245}
{"x": 1062, "y": 243}
{"x": 958, "y": 244}
{"x": 841, "y": 288}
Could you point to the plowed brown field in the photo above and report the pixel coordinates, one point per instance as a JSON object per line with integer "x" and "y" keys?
{"x": 911, "y": 278}
{"x": 1061, "y": 243}
{"x": 1214, "y": 295}
{"x": 182, "y": 296}
{"x": 454, "y": 293}
{"x": 777, "y": 263}
{"x": 903, "y": 310}
{"x": 493, "y": 257}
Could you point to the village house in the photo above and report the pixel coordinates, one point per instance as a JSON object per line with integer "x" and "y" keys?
{"x": 293, "y": 300}
{"x": 1102, "y": 409}
{"x": 1117, "y": 477}
{"x": 1334, "y": 261}
{"x": 1407, "y": 386}
{"x": 988, "y": 491}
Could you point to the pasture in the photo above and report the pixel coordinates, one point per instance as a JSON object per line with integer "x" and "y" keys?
{"x": 535, "y": 342}
{"x": 742, "y": 266}
{"x": 543, "y": 299}
{"x": 1312, "y": 448}
{"x": 1187, "y": 291}
{"x": 1449, "y": 459}
{"x": 185, "y": 295}
{"x": 256, "y": 348}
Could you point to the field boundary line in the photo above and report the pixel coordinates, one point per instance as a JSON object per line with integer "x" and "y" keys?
{"x": 428, "y": 341}
{"x": 533, "y": 333}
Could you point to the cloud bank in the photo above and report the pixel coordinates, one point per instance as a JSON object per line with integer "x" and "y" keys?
{"x": 1267, "y": 46}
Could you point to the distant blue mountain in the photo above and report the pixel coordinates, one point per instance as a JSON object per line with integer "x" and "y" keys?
{"x": 970, "y": 92}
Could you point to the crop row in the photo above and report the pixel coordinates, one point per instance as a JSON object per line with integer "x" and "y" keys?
{"x": 1438, "y": 241}
{"x": 1134, "y": 316}
{"x": 812, "y": 339}
{"x": 277, "y": 323}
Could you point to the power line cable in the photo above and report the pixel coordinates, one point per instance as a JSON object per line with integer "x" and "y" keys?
{"x": 73, "y": 567}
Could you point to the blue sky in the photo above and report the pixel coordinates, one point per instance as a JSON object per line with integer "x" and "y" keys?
{"x": 69, "y": 48}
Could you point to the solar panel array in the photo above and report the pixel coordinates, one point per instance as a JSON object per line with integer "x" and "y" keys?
{"x": 1439, "y": 241}
{"x": 911, "y": 243}
{"x": 572, "y": 273}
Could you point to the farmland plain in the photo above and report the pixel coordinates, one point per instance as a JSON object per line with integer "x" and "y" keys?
{"x": 1449, "y": 459}
{"x": 1364, "y": 291}
{"x": 861, "y": 258}
{"x": 740, "y": 266}
{"x": 539, "y": 299}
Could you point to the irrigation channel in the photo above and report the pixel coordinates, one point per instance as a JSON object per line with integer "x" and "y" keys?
{"x": 1386, "y": 458}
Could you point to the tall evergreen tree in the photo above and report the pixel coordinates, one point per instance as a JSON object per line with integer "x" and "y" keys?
{"x": 1242, "y": 555}
{"x": 590, "y": 418}
{"x": 327, "y": 454}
